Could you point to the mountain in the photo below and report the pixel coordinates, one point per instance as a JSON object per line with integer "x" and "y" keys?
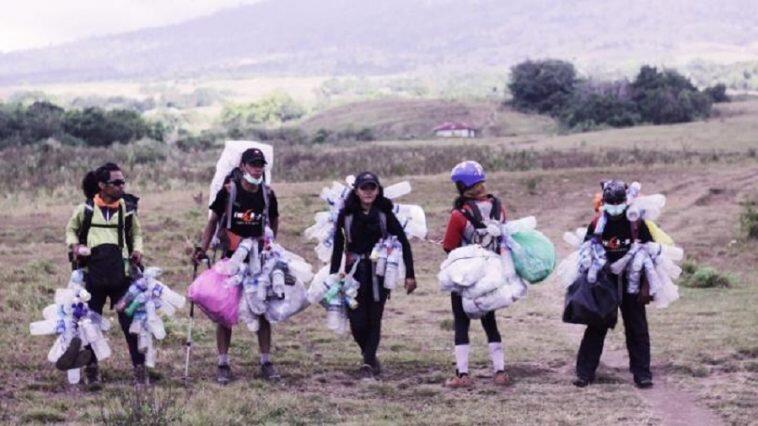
{"x": 370, "y": 37}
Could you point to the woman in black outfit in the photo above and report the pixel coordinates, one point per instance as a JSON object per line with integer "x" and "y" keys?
{"x": 370, "y": 217}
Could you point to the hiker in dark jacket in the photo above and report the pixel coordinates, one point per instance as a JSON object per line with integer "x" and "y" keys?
{"x": 108, "y": 226}
{"x": 253, "y": 208}
{"x": 369, "y": 216}
{"x": 616, "y": 238}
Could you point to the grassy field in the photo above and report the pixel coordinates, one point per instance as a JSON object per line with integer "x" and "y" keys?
{"x": 705, "y": 349}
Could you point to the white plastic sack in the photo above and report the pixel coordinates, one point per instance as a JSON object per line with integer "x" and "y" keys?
{"x": 230, "y": 158}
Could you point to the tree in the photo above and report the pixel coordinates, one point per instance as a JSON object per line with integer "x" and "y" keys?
{"x": 544, "y": 86}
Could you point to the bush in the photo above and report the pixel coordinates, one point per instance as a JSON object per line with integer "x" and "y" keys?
{"x": 697, "y": 276}
{"x": 544, "y": 86}
{"x": 749, "y": 220}
{"x": 276, "y": 108}
{"x": 717, "y": 93}
{"x": 668, "y": 97}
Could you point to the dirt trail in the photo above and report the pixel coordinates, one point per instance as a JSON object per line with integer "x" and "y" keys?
{"x": 673, "y": 406}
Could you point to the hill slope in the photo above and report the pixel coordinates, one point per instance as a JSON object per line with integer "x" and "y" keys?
{"x": 367, "y": 37}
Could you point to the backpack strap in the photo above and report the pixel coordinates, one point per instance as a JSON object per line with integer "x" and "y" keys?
{"x": 474, "y": 215}
{"x": 349, "y": 223}
{"x": 266, "y": 193}
{"x": 346, "y": 227}
{"x": 89, "y": 209}
{"x": 635, "y": 230}
{"x": 232, "y": 196}
{"x": 131, "y": 202}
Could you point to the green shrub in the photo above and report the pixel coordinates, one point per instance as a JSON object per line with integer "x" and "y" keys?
{"x": 698, "y": 276}
{"x": 749, "y": 220}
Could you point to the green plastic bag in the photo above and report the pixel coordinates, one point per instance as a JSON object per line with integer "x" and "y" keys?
{"x": 533, "y": 255}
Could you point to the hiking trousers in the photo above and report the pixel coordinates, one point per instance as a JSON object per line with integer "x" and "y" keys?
{"x": 637, "y": 342}
{"x": 366, "y": 319}
{"x": 462, "y": 322}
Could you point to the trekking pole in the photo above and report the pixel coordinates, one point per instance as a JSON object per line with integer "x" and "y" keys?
{"x": 188, "y": 343}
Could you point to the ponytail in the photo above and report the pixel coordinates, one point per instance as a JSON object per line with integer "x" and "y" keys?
{"x": 91, "y": 180}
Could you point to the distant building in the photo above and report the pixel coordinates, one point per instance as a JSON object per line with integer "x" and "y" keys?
{"x": 455, "y": 130}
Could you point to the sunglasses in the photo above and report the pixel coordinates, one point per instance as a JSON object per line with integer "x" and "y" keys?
{"x": 368, "y": 187}
{"x": 116, "y": 182}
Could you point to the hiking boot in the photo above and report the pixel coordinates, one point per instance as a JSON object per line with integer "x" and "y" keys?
{"x": 643, "y": 383}
{"x": 366, "y": 372}
{"x": 140, "y": 375}
{"x": 501, "y": 378}
{"x": 376, "y": 367}
{"x": 268, "y": 372}
{"x": 581, "y": 382}
{"x": 68, "y": 359}
{"x": 460, "y": 381}
{"x": 224, "y": 374}
{"x": 92, "y": 374}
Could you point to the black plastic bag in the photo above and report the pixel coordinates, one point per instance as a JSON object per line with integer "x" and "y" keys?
{"x": 595, "y": 304}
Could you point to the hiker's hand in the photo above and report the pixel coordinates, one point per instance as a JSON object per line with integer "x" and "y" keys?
{"x": 199, "y": 255}
{"x": 79, "y": 251}
{"x": 136, "y": 257}
{"x": 410, "y": 285}
{"x": 644, "y": 299}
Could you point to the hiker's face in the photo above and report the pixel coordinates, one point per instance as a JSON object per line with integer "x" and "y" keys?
{"x": 255, "y": 169}
{"x": 114, "y": 188}
{"x": 367, "y": 193}
{"x": 477, "y": 191}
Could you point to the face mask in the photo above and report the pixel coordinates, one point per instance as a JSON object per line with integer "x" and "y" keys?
{"x": 614, "y": 209}
{"x": 250, "y": 179}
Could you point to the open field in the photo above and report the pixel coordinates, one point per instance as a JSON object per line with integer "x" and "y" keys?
{"x": 705, "y": 348}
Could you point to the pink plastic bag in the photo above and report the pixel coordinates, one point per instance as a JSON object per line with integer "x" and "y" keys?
{"x": 221, "y": 303}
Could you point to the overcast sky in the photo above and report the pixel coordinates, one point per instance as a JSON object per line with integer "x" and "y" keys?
{"x": 38, "y": 23}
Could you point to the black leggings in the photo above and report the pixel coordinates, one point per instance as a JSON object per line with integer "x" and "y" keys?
{"x": 366, "y": 319}
{"x": 462, "y": 323}
{"x": 99, "y": 294}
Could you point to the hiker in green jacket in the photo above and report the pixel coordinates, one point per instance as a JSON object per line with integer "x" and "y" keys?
{"x": 105, "y": 238}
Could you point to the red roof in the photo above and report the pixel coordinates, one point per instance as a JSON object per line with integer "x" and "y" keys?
{"x": 449, "y": 125}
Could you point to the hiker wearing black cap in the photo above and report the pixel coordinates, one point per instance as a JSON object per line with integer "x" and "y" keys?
{"x": 104, "y": 236}
{"x": 242, "y": 209}
{"x": 367, "y": 218}
{"x": 616, "y": 236}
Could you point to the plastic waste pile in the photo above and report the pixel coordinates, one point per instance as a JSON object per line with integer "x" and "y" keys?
{"x": 655, "y": 261}
{"x": 271, "y": 281}
{"x": 336, "y": 293}
{"x": 76, "y": 327}
{"x": 387, "y": 255}
{"x": 145, "y": 299}
{"x": 488, "y": 281}
{"x": 411, "y": 217}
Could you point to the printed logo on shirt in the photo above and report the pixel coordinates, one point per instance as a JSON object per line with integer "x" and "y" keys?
{"x": 614, "y": 244}
{"x": 248, "y": 216}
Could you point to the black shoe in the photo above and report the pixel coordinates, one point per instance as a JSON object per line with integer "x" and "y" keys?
{"x": 376, "y": 367}
{"x": 92, "y": 374}
{"x": 140, "y": 375}
{"x": 268, "y": 372}
{"x": 366, "y": 372}
{"x": 581, "y": 382}
{"x": 644, "y": 383}
{"x": 224, "y": 374}
{"x": 84, "y": 358}
{"x": 68, "y": 359}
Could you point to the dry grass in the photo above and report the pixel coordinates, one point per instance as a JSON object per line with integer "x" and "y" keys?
{"x": 319, "y": 384}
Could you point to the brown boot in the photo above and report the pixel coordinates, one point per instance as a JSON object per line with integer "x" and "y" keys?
{"x": 501, "y": 378}
{"x": 460, "y": 381}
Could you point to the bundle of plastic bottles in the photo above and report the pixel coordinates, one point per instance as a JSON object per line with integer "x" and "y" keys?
{"x": 76, "y": 327}
{"x": 411, "y": 217}
{"x": 387, "y": 256}
{"x": 336, "y": 293}
{"x": 656, "y": 260}
{"x": 486, "y": 280}
{"x": 271, "y": 279}
{"x": 145, "y": 299}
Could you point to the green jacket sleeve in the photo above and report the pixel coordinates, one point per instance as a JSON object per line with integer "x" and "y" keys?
{"x": 136, "y": 234}
{"x": 72, "y": 228}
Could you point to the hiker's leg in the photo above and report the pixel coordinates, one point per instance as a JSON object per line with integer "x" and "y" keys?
{"x": 590, "y": 350}
{"x": 637, "y": 336}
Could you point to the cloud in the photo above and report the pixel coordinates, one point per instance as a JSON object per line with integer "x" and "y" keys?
{"x": 39, "y": 23}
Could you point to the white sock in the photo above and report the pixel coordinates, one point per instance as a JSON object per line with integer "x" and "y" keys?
{"x": 497, "y": 356}
{"x": 264, "y": 358}
{"x": 223, "y": 359}
{"x": 461, "y": 358}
